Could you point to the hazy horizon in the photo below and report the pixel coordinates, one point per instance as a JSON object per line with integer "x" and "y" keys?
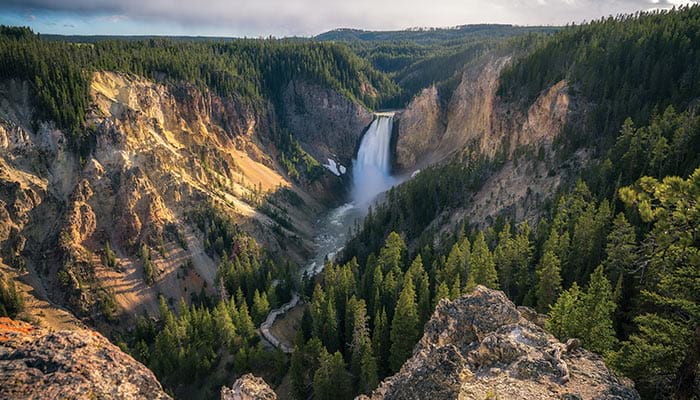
{"x": 298, "y": 17}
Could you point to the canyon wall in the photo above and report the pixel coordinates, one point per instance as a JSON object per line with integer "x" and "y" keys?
{"x": 157, "y": 153}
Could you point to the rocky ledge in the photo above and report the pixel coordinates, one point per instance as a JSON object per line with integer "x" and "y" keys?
{"x": 39, "y": 364}
{"x": 481, "y": 346}
{"x": 248, "y": 387}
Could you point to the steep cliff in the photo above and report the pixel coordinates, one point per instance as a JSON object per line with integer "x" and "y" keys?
{"x": 327, "y": 124}
{"x": 474, "y": 119}
{"x": 37, "y": 363}
{"x": 420, "y": 128}
{"x": 481, "y": 347}
{"x": 157, "y": 153}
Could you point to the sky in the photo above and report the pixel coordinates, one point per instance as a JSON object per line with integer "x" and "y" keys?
{"x": 261, "y": 18}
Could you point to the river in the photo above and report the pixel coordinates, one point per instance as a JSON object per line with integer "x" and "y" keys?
{"x": 371, "y": 176}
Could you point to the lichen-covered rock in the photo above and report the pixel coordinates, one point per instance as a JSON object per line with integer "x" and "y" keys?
{"x": 40, "y": 364}
{"x": 248, "y": 387}
{"x": 480, "y": 346}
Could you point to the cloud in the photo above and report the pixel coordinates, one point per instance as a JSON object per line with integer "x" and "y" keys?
{"x": 113, "y": 18}
{"x": 285, "y": 17}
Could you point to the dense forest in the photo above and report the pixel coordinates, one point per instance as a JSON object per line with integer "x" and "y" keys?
{"x": 418, "y": 58}
{"x": 617, "y": 271}
{"x": 252, "y": 71}
{"x": 613, "y": 260}
{"x": 627, "y": 66}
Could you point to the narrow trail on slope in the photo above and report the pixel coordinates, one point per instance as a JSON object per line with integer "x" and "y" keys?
{"x": 371, "y": 176}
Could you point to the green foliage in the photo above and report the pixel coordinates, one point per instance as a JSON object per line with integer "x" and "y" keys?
{"x": 109, "y": 258}
{"x": 562, "y": 320}
{"x": 663, "y": 356}
{"x": 413, "y": 206}
{"x": 624, "y": 66}
{"x": 251, "y": 71}
{"x": 481, "y": 265}
{"x": 404, "y": 327}
{"x": 149, "y": 270}
{"x": 416, "y": 59}
{"x": 549, "y": 284}
{"x": 11, "y": 301}
{"x": 261, "y": 307}
{"x": 363, "y": 364}
{"x": 587, "y": 316}
{"x": 331, "y": 381}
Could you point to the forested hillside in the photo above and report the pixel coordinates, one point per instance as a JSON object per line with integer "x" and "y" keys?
{"x": 613, "y": 260}
{"x": 612, "y": 257}
{"x": 418, "y": 58}
{"x": 627, "y": 67}
{"x": 253, "y": 71}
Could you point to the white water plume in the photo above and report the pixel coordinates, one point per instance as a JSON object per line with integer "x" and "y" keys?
{"x": 372, "y": 168}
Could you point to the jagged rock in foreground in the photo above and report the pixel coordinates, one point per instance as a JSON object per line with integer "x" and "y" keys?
{"x": 248, "y": 387}
{"x": 40, "y": 364}
{"x": 481, "y": 347}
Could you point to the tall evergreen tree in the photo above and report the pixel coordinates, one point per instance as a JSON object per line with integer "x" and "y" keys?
{"x": 392, "y": 254}
{"x": 331, "y": 381}
{"x": 481, "y": 264}
{"x": 562, "y": 318}
{"x": 595, "y": 314}
{"x": 363, "y": 365}
{"x": 663, "y": 356}
{"x": 621, "y": 249}
{"x": 404, "y": 327}
{"x": 549, "y": 284}
{"x": 380, "y": 342}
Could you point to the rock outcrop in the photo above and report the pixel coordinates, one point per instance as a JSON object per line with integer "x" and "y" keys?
{"x": 158, "y": 152}
{"x": 248, "y": 387}
{"x": 420, "y": 128}
{"x": 326, "y": 123}
{"x": 481, "y": 347}
{"x": 81, "y": 364}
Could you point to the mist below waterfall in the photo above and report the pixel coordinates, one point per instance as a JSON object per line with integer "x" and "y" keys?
{"x": 372, "y": 168}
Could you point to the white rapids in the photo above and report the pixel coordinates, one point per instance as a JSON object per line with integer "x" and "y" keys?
{"x": 371, "y": 176}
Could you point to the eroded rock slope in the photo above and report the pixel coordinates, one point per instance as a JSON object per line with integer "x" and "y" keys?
{"x": 79, "y": 364}
{"x": 480, "y": 346}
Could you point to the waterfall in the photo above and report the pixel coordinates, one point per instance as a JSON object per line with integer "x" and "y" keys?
{"x": 372, "y": 168}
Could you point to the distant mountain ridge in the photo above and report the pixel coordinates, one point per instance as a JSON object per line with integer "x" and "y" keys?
{"x": 432, "y": 35}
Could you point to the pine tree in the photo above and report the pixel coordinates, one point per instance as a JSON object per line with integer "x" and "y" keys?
{"x": 481, "y": 264}
{"x": 453, "y": 265}
{"x": 392, "y": 254}
{"x": 523, "y": 277}
{"x": 261, "y": 307}
{"x": 456, "y": 290}
{"x": 503, "y": 256}
{"x": 442, "y": 292}
{"x": 562, "y": 319}
{"x": 245, "y": 324}
{"x": 331, "y": 381}
{"x": 380, "y": 342}
{"x": 620, "y": 249}
{"x": 422, "y": 285}
{"x": 363, "y": 365}
{"x": 549, "y": 284}
{"x": 329, "y": 330}
{"x": 665, "y": 351}
{"x": 597, "y": 308}
{"x": 297, "y": 373}
{"x": 223, "y": 324}
{"x": 404, "y": 327}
